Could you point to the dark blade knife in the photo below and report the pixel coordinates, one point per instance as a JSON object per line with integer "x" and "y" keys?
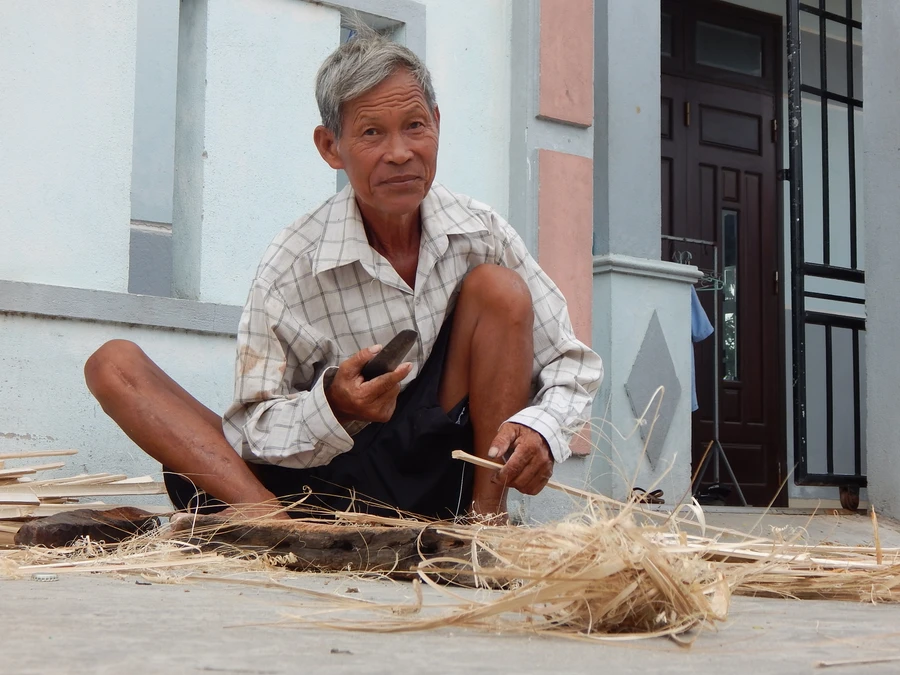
{"x": 391, "y": 356}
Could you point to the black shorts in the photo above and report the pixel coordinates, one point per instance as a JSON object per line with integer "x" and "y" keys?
{"x": 401, "y": 465}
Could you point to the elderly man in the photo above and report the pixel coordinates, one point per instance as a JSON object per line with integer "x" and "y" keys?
{"x": 496, "y": 369}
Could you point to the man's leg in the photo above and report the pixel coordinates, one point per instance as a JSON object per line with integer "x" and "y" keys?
{"x": 490, "y": 359}
{"x": 169, "y": 424}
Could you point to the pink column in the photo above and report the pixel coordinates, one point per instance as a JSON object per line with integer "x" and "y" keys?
{"x": 567, "y": 61}
{"x": 565, "y": 191}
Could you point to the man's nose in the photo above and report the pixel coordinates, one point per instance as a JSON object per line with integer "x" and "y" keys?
{"x": 398, "y": 150}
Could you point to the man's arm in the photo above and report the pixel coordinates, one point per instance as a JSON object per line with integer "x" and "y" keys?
{"x": 281, "y": 414}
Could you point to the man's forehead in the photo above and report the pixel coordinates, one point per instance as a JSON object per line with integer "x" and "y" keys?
{"x": 394, "y": 100}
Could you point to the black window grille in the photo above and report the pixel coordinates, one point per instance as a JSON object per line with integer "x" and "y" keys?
{"x": 828, "y": 281}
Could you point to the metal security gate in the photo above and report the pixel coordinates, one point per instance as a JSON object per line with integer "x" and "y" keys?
{"x": 828, "y": 281}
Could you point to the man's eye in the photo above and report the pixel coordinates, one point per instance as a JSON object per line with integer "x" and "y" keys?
{"x": 416, "y": 125}
{"x": 370, "y": 132}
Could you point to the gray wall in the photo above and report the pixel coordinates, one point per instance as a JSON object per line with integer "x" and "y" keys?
{"x": 881, "y": 26}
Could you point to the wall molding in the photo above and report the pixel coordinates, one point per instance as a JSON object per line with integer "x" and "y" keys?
{"x": 61, "y": 302}
{"x": 615, "y": 263}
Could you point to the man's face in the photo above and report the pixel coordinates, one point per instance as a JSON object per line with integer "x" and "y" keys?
{"x": 388, "y": 146}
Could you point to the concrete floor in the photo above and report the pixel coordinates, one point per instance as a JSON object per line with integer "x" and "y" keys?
{"x": 107, "y": 624}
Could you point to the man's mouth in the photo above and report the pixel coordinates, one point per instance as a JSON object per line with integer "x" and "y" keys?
{"x": 401, "y": 180}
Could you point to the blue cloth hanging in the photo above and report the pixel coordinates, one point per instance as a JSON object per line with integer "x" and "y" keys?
{"x": 701, "y": 329}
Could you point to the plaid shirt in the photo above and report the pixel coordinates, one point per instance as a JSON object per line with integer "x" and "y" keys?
{"x": 322, "y": 294}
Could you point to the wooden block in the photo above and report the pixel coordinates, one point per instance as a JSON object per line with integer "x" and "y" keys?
{"x": 109, "y": 526}
{"x": 326, "y": 547}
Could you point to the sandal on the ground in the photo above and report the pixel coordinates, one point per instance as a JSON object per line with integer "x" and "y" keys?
{"x": 653, "y": 497}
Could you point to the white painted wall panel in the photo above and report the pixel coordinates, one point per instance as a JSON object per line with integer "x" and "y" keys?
{"x": 47, "y": 405}
{"x": 260, "y": 169}
{"x": 469, "y": 59}
{"x": 154, "y": 110}
{"x": 66, "y": 111}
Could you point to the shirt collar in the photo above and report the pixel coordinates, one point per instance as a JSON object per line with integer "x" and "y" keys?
{"x": 344, "y": 238}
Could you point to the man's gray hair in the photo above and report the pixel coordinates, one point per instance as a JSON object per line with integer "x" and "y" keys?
{"x": 361, "y": 64}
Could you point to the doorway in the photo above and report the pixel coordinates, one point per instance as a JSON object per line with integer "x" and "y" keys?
{"x": 721, "y": 72}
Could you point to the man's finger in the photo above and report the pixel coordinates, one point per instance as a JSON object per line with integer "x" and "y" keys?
{"x": 514, "y": 466}
{"x": 531, "y": 472}
{"x": 535, "y": 476}
{"x": 503, "y": 441}
{"x": 355, "y": 363}
{"x": 381, "y": 385}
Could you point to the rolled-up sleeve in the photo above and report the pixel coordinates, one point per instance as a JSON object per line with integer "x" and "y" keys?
{"x": 271, "y": 421}
{"x": 566, "y": 372}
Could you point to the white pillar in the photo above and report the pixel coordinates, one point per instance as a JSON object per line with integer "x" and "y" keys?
{"x": 638, "y": 299}
{"x": 245, "y": 163}
{"x": 66, "y": 111}
{"x": 881, "y": 181}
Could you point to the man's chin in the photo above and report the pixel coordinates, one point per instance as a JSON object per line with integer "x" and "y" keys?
{"x": 400, "y": 202}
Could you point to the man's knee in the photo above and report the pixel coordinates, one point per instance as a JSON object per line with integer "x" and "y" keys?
{"x": 500, "y": 289}
{"x": 107, "y": 369}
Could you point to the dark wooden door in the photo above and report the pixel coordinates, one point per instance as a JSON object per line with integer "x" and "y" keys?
{"x": 719, "y": 184}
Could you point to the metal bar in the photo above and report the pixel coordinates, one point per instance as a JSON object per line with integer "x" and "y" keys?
{"x": 831, "y": 96}
{"x": 829, "y": 401}
{"x": 851, "y": 137}
{"x": 833, "y": 272}
{"x": 831, "y": 16}
{"x": 857, "y": 407}
{"x": 718, "y": 355}
{"x": 734, "y": 480}
{"x": 702, "y": 242}
{"x": 798, "y": 328}
{"x": 836, "y": 320}
{"x": 823, "y": 101}
{"x": 835, "y": 298}
{"x": 836, "y": 479}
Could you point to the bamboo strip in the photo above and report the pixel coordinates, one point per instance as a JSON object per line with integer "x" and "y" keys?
{"x": 112, "y": 489}
{"x": 574, "y": 492}
{"x": 18, "y": 497}
{"x": 11, "y": 511}
{"x": 27, "y": 470}
{"x": 81, "y": 479}
{"x": 37, "y": 453}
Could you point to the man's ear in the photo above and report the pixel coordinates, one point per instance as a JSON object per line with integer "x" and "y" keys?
{"x": 437, "y": 118}
{"x": 326, "y": 144}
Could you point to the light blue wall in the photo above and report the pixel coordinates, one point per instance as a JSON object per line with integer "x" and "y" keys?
{"x": 154, "y": 111}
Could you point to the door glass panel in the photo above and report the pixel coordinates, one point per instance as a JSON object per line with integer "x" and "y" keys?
{"x": 729, "y": 49}
{"x": 729, "y": 294}
{"x": 667, "y": 38}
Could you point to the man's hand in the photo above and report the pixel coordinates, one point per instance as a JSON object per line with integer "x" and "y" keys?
{"x": 530, "y": 465}
{"x": 352, "y": 398}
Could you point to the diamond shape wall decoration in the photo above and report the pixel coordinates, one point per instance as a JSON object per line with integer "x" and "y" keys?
{"x": 653, "y": 367}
